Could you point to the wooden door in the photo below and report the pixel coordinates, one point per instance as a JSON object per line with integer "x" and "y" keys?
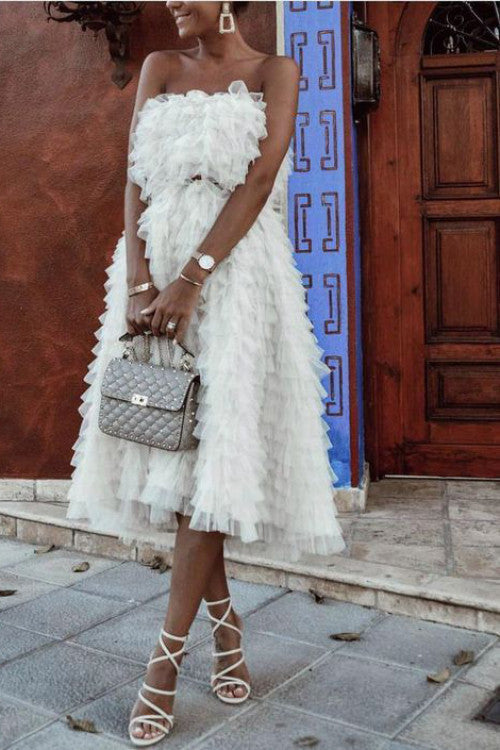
{"x": 433, "y": 247}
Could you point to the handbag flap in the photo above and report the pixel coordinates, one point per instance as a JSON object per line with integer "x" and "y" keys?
{"x": 165, "y": 387}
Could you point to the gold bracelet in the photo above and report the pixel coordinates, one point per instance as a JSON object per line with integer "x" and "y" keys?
{"x": 198, "y": 283}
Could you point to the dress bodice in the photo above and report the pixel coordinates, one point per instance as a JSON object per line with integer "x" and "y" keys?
{"x": 178, "y": 136}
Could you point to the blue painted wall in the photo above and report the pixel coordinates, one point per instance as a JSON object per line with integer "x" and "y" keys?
{"x": 316, "y": 203}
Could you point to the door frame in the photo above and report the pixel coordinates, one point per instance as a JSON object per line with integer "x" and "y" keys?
{"x": 386, "y": 190}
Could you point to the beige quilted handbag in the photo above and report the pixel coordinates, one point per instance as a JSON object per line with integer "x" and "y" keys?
{"x": 148, "y": 403}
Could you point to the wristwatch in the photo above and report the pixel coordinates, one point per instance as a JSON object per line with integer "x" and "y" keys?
{"x": 205, "y": 261}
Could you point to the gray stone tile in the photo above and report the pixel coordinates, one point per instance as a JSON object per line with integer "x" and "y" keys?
{"x": 475, "y": 533}
{"x": 383, "y": 506}
{"x": 415, "y": 556}
{"x": 17, "y": 490}
{"x": 477, "y": 562}
{"x": 58, "y": 736}
{"x": 397, "y": 531}
{"x": 15, "y": 641}
{"x": 63, "y": 612}
{"x": 130, "y": 581}
{"x": 56, "y": 567}
{"x": 462, "y": 489}
{"x": 485, "y": 672}
{"x": 297, "y": 615}
{"x": 13, "y": 551}
{"x": 269, "y": 726}
{"x": 196, "y": 711}
{"x": 25, "y": 588}
{"x": 409, "y": 489}
{"x": 366, "y": 694}
{"x": 134, "y": 634}
{"x": 17, "y": 720}
{"x": 416, "y": 643}
{"x": 270, "y": 659}
{"x": 448, "y": 725}
{"x": 63, "y": 676}
{"x": 474, "y": 509}
{"x": 395, "y": 745}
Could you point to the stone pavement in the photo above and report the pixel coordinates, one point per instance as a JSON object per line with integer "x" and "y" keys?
{"x": 77, "y": 644}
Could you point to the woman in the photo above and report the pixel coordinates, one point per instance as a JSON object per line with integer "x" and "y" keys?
{"x": 209, "y": 264}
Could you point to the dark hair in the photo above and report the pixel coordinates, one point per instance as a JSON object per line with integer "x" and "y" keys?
{"x": 238, "y": 7}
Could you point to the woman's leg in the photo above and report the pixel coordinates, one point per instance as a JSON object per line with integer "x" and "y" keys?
{"x": 226, "y": 639}
{"x": 195, "y": 554}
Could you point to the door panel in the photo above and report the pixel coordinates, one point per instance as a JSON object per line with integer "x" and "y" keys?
{"x": 433, "y": 271}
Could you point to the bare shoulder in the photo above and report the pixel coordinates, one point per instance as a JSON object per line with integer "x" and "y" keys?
{"x": 281, "y": 70}
{"x": 159, "y": 65}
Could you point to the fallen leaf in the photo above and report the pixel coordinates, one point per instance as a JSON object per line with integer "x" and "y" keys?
{"x": 463, "y": 657}
{"x": 43, "y": 550}
{"x": 441, "y": 676}
{"x": 81, "y": 567}
{"x": 158, "y": 563}
{"x": 309, "y": 741}
{"x": 345, "y": 636}
{"x": 81, "y": 725}
{"x": 317, "y": 597}
{"x": 7, "y": 592}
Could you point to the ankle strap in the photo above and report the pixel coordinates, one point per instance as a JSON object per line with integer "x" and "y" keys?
{"x": 219, "y": 601}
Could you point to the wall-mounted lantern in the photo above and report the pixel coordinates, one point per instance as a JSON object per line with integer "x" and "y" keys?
{"x": 365, "y": 65}
{"x": 115, "y": 18}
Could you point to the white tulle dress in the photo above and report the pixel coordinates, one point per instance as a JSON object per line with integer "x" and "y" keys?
{"x": 261, "y": 472}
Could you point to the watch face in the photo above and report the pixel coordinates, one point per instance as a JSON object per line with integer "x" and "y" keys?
{"x": 206, "y": 262}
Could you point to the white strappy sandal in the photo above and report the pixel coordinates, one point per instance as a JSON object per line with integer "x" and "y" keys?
{"x": 160, "y": 713}
{"x": 221, "y": 679}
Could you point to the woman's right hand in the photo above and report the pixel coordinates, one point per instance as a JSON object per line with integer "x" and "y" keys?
{"x": 136, "y": 322}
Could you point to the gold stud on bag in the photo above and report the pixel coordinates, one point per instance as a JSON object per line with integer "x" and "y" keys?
{"x": 148, "y": 403}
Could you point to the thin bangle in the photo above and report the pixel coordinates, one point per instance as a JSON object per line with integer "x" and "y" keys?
{"x": 191, "y": 281}
{"x": 140, "y": 288}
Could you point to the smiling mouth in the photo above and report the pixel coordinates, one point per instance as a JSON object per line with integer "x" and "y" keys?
{"x": 185, "y": 15}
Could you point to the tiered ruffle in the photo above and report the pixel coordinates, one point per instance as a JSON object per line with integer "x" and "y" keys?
{"x": 261, "y": 472}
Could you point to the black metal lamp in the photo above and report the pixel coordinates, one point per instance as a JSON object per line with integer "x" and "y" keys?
{"x": 115, "y": 18}
{"x": 365, "y": 65}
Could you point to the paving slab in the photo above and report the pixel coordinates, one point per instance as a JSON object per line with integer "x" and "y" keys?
{"x": 448, "y": 723}
{"x": 485, "y": 672}
{"x": 134, "y": 634}
{"x": 58, "y": 736}
{"x": 268, "y": 726}
{"x": 63, "y": 676}
{"x": 367, "y": 694}
{"x": 17, "y": 720}
{"x": 26, "y": 589}
{"x": 271, "y": 660}
{"x": 412, "y": 642}
{"x": 16, "y": 641}
{"x": 130, "y": 581}
{"x": 297, "y": 615}
{"x": 62, "y": 612}
{"x": 56, "y": 567}
{"x": 195, "y": 710}
{"x": 13, "y": 551}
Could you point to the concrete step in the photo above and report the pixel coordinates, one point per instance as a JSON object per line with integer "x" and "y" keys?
{"x": 466, "y": 602}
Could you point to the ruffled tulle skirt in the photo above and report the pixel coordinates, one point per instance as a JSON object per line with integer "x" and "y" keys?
{"x": 261, "y": 472}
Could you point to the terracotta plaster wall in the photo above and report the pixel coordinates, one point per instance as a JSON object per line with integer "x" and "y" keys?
{"x": 63, "y": 146}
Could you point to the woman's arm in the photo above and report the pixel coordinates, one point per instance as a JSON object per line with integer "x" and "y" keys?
{"x": 150, "y": 84}
{"x": 281, "y": 90}
{"x": 179, "y": 298}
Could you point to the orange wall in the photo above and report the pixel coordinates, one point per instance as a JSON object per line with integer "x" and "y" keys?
{"x": 63, "y": 157}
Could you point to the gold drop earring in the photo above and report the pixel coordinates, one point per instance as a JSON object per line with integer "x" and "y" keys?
{"x": 226, "y": 13}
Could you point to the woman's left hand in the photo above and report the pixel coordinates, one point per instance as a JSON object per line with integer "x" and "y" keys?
{"x": 175, "y": 302}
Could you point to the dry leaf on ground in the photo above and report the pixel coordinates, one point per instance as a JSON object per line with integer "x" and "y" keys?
{"x": 81, "y": 567}
{"x": 81, "y": 725}
{"x": 463, "y": 657}
{"x": 345, "y": 636}
{"x": 441, "y": 676}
